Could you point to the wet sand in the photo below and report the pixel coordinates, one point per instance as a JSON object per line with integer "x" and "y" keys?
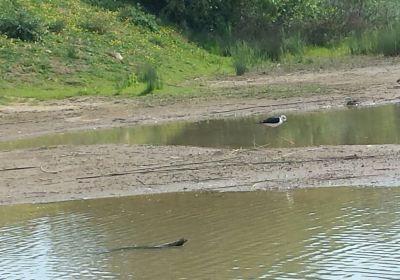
{"x": 83, "y": 172}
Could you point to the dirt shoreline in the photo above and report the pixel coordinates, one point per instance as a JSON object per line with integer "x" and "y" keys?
{"x": 85, "y": 172}
{"x": 372, "y": 85}
{"x": 67, "y": 173}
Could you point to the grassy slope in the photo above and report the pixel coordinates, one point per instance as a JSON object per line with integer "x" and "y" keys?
{"x": 76, "y": 61}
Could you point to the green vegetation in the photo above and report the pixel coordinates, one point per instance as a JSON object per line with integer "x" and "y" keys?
{"x": 17, "y": 22}
{"x": 76, "y": 48}
{"x": 274, "y": 26}
{"x": 57, "y": 26}
{"x": 56, "y": 49}
{"x": 95, "y": 25}
{"x": 275, "y": 29}
{"x": 388, "y": 41}
{"x": 148, "y": 75}
{"x": 136, "y": 16}
{"x": 384, "y": 41}
{"x": 243, "y": 57}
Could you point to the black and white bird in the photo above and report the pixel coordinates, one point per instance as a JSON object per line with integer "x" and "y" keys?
{"x": 352, "y": 101}
{"x": 274, "y": 121}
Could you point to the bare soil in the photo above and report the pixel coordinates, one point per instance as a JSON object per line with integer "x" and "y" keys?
{"x": 66, "y": 173}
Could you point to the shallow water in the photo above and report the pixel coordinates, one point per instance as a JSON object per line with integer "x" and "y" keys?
{"x": 331, "y": 233}
{"x": 368, "y": 125}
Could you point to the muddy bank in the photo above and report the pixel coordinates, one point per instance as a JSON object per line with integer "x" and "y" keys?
{"x": 66, "y": 173}
{"x": 228, "y": 97}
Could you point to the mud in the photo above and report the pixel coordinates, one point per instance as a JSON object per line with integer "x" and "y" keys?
{"x": 65, "y": 173}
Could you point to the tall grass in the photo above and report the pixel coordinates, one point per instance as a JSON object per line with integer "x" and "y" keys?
{"x": 293, "y": 44}
{"x": 96, "y": 25}
{"x": 57, "y": 26}
{"x": 125, "y": 81}
{"x": 388, "y": 41}
{"x": 385, "y": 41}
{"x": 244, "y": 56}
{"x": 72, "y": 51}
{"x": 148, "y": 74}
{"x": 363, "y": 44}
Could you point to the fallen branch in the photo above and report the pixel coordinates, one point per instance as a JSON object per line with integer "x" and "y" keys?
{"x": 348, "y": 177}
{"x": 385, "y": 169}
{"x": 18, "y": 168}
{"x": 350, "y": 157}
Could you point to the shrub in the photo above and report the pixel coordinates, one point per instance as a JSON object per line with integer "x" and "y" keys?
{"x": 145, "y": 73}
{"x": 96, "y": 25}
{"x": 17, "y": 22}
{"x": 138, "y": 17}
{"x": 388, "y": 41}
{"x": 384, "y": 41}
{"x": 72, "y": 51}
{"x": 243, "y": 57}
{"x": 125, "y": 81}
{"x": 363, "y": 44}
{"x": 148, "y": 74}
{"x": 57, "y": 26}
{"x": 156, "y": 41}
{"x": 320, "y": 33}
{"x": 293, "y": 44}
{"x": 112, "y": 5}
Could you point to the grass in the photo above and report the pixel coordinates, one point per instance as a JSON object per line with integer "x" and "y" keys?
{"x": 275, "y": 91}
{"x": 244, "y": 56}
{"x": 385, "y": 41}
{"x": 363, "y": 44}
{"x": 72, "y": 58}
{"x": 16, "y": 21}
{"x": 388, "y": 41}
{"x": 148, "y": 75}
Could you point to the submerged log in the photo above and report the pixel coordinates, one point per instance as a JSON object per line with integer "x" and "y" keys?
{"x": 176, "y": 243}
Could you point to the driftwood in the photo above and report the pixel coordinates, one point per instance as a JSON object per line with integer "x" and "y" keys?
{"x": 18, "y": 168}
{"x": 349, "y": 177}
{"x": 174, "y": 244}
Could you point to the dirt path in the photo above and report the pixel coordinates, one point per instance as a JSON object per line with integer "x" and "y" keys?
{"x": 66, "y": 173}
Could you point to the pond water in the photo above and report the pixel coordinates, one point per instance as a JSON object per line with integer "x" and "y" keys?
{"x": 368, "y": 125}
{"x": 336, "y": 233}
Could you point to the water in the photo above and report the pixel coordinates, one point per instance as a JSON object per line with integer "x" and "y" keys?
{"x": 334, "y": 233}
{"x": 363, "y": 126}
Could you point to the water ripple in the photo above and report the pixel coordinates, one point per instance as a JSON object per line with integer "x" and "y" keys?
{"x": 320, "y": 234}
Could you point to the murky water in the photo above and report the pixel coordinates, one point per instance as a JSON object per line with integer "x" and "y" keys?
{"x": 371, "y": 125}
{"x": 337, "y": 233}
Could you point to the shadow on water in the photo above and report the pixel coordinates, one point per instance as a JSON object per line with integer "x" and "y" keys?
{"x": 370, "y": 125}
{"x": 335, "y": 233}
